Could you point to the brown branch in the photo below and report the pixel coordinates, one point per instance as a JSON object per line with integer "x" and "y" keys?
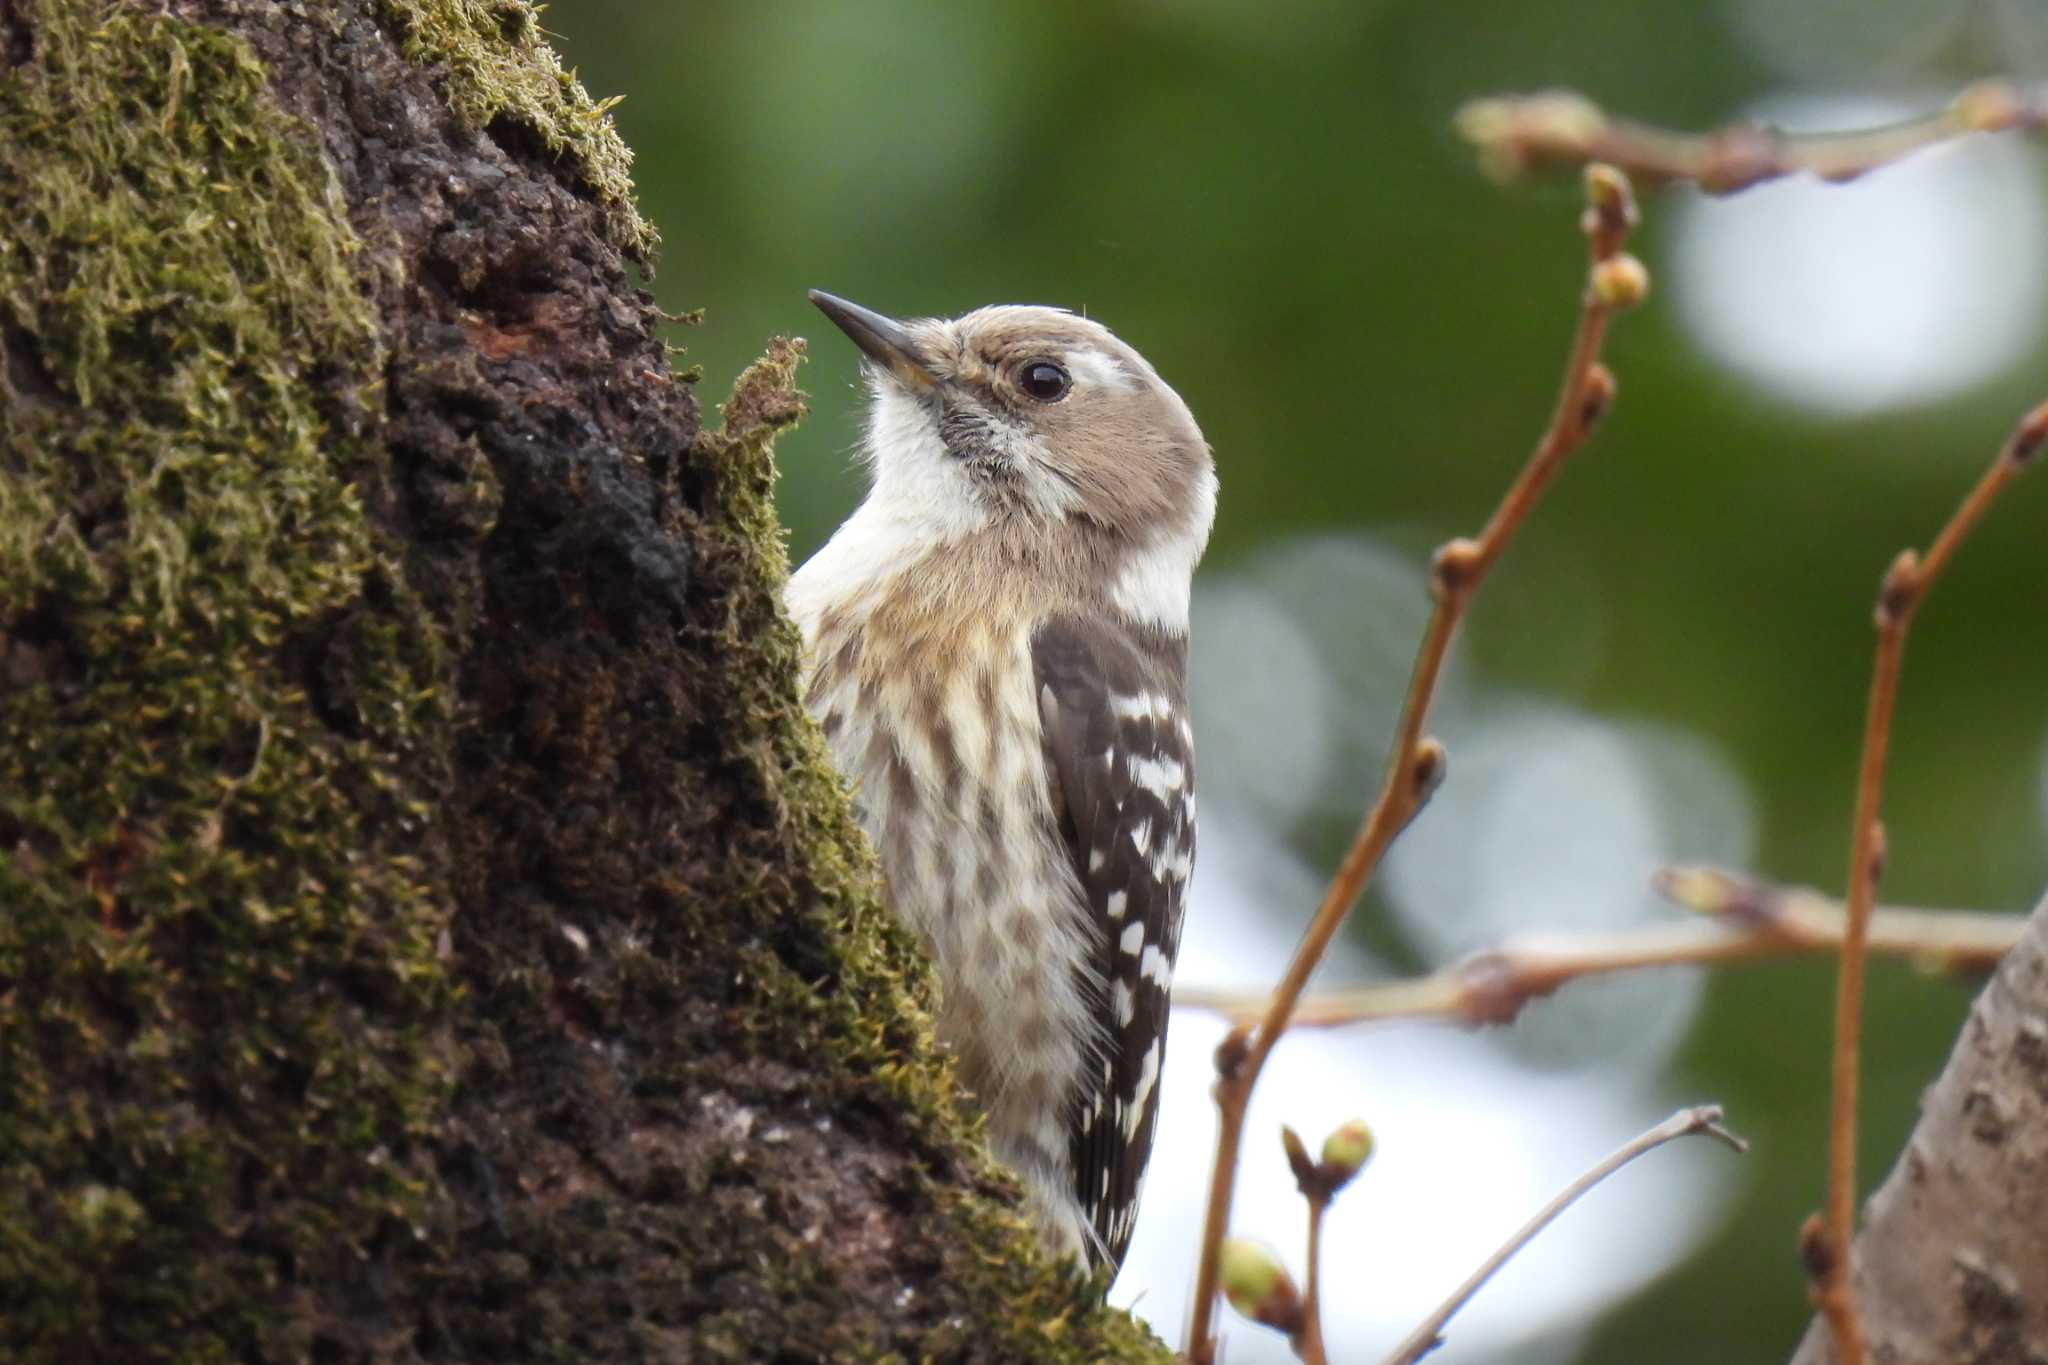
{"x": 1825, "y": 1242}
{"x": 1750, "y": 922}
{"x": 1317, "y": 1190}
{"x": 1309, "y": 1345}
{"x": 1428, "y": 1334}
{"x": 1518, "y": 134}
{"x": 1416, "y": 762}
{"x": 1344, "y": 1154}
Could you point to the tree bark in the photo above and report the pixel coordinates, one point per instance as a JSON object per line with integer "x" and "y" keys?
{"x": 1951, "y": 1267}
{"x": 429, "y": 928}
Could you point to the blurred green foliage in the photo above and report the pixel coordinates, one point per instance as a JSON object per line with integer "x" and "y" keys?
{"x": 1268, "y": 201}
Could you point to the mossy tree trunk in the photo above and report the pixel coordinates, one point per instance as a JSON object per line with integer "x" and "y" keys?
{"x": 428, "y": 930}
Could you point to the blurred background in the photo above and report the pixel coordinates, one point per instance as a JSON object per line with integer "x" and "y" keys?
{"x": 1671, "y": 664}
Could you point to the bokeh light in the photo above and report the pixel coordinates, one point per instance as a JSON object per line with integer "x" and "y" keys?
{"x": 1911, "y": 285}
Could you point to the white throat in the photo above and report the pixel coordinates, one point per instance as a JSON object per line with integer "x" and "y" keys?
{"x": 921, "y": 499}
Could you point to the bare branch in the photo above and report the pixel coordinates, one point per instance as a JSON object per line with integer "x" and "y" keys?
{"x": 1825, "y": 1241}
{"x": 1750, "y": 922}
{"x": 1344, "y": 1155}
{"x": 1309, "y": 1345}
{"x": 1519, "y": 134}
{"x": 1429, "y": 1333}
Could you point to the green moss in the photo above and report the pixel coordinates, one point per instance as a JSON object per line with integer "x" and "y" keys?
{"x": 881, "y": 1007}
{"x": 217, "y": 951}
{"x": 500, "y": 68}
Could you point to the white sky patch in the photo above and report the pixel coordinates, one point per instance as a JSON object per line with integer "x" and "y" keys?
{"x": 1262, "y": 703}
{"x": 1913, "y": 284}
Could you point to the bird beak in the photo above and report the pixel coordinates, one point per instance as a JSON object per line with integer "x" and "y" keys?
{"x": 883, "y": 340}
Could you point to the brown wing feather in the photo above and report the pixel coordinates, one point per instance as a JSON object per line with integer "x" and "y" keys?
{"x": 1113, "y": 708}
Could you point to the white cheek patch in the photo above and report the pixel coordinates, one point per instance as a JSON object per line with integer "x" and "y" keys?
{"x": 1093, "y": 367}
{"x": 1152, "y": 585}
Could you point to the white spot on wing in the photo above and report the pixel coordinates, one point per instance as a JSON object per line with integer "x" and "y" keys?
{"x": 1133, "y": 941}
{"x": 1160, "y": 776}
{"x": 1136, "y": 707}
{"x": 1142, "y": 1091}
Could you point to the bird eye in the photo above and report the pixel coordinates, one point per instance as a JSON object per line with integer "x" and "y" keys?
{"x": 1043, "y": 380}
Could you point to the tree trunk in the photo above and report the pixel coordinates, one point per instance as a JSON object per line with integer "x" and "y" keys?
{"x": 428, "y": 927}
{"x": 1952, "y": 1264}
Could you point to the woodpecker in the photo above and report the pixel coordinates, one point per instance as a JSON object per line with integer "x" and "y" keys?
{"x": 996, "y": 644}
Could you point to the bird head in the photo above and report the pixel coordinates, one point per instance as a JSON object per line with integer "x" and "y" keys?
{"x": 1036, "y": 426}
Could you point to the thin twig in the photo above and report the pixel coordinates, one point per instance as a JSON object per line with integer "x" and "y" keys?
{"x": 1309, "y": 1345}
{"x": 1318, "y": 1182}
{"x": 1416, "y": 762}
{"x": 1748, "y": 923}
{"x": 1517, "y": 134}
{"x": 1428, "y": 1334}
{"x": 1825, "y": 1243}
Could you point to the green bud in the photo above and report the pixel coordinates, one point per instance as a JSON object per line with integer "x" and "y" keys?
{"x": 1259, "y": 1287}
{"x": 1346, "y": 1150}
{"x": 1621, "y": 281}
{"x": 1988, "y": 107}
{"x": 1607, "y": 189}
{"x": 1297, "y": 1155}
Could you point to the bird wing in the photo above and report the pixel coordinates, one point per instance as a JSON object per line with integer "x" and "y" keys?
{"x": 1112, "y": 705}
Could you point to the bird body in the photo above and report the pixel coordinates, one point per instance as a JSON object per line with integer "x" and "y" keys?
{"x": 997, "y": 646}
